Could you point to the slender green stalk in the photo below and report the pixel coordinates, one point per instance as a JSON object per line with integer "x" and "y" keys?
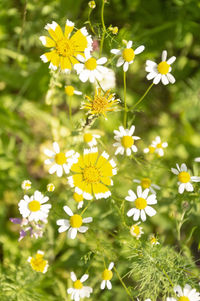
{"x": 122, "y": 282}
{"x": 103, "y": 25}
{"x": 141, "y": 98}
{"x": 91, "y": 27}
{"x": 85, "y": 208}
{"x": 125, "y": 105}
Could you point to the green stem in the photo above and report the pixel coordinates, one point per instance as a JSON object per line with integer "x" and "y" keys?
{"x": 122, "y": 282}
{"x": 141, "y": 98}
{"x": 103, "y": 25}
{"x": 85, "y": 208}
{"x": 125, "y": 105}
{"x": 91, "y": 27}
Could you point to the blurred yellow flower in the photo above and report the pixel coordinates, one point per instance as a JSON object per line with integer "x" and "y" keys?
{"x": 50, "y": 187}
{"x": 92, "y": 4}
{"x": 38, "y": 263}
{"x": 70, "y": 91}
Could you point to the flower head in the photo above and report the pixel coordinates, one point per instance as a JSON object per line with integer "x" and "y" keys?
{"x": 50, "y": 187}
{"x": 38, "y": 263}
{"x": 90, "y": 139}
{"x": 127, "y": 55}
{"x": 125, "y": 140}
{"x": 184, "y": 178}
{"x": 157, "y": 147}
{"x": 136, "y": 230}
{"x": 141, "y": 203}
{"x": 185, "y": 294}
{"x": 70, "y": 91}
{"x": 146, "y": 183}
{"x": 92, "y": 4}
{"x": 93, "y": 174}
{"x": 79, "y": 291}
{"x": 114, "y": 29}
{"x": 65, "y": 47}
{"x": 26, "y": 185}
{"x": 153, "y": 240}
{"x": 74, "y": 224}
{"x": 78, "y": 198}
{"x": 107, "y": 276}
{"x": 162, "y": 70}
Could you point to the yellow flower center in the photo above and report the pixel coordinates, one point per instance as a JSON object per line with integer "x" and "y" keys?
{"x": 76, "y": 221}
{"x": 78, "y": 284}
{"x": 38, "y": 263}
{"x": 140, "y": 203}
{"x": 34, "y": 206}
{"x": 64, "y": 47}
{"x": 151, "y": 149}
{"x": 107, "y": 274}
{"x": 127, "y": 141}
{"x": 87, "y": 137}
{"x": 91, "y": 174}
{"x": 27, "y": 185}
{"x": 91, "y": 64}
{"x": 163, "y": 68}
{"x": 60, "y": 158}
{"x": 183, "y": 298}
{"x": 69, "y": 90}
{"x": 128, "y": 54}
{"x": 153, "y": 240}
{"x": 145, "y": 183}
{"x": 50, "y": 187}
{"x": 135, "y": 229}
{"x": 184, "y": 177}
{"x": 159, "y": 145}
{"x": 77, "y": 197}
{"x": 100, "y": 104}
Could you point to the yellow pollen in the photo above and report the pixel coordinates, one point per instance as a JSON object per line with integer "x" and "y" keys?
{"x": 145, "y": 183}
{"x": 107, "y": 274}
{"x": 184, "y": 177}
{"x": 128, "y": 54}
{"x": 38, "y": 263}
{"x": 77, "y": 197}
{"x": 100, "y": 104}
{"x": 135, "y": 229}
{"x": 76, "y": 221}
{"x": 64, "y": 47}
{"x": 91, "y": 174}
{"x": 34, "y": 206}
{"x": 91, "y": 64}
{"x": 159, "y": 145}
{"x": 151, "y": 149}
{"x": 127, "y": 141}
{"x": 69, "y": 90}
{"x": 87, "y": 137}
{"x": 163, "y": 68}
{"x": 78, "y": 285}
{"x": 183, "y": 298}
{"x": 60, "y": 158}
{"x": 140, "y": 203}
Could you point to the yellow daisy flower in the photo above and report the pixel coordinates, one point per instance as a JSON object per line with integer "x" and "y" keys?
{"x": 38, "y": 263}
{"x": 92, "y": 174}
{"x": 65, "y": 47}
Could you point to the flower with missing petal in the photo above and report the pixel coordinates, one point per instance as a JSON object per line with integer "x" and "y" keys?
{"x": 185, "y": 294}
{"x": 146, "y": 183}
{"x": 107, "y": 276}
{"x": 37, "y": 263}
{"x": 79, "y": 291}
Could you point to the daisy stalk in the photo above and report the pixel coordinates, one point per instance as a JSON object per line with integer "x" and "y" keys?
{"x": 103, "y": 25}
{"x": 142, "y": 97}
{"x": 89, "y": 22}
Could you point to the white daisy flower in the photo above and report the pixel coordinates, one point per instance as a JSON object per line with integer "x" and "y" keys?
{"x": 125, "y": 140}
{"x": 59, "y": 160}
{"x": 70, "y": 91}
{"x": 136, "y": 230}
{"x": 107, "y": 276}
{"x": 146, "y": 183}
{"x": 79, "y": 291}
{"x": 197, "y": 159}
{"x": 74, "y": 224}
{"x": 141, "y": 202}
{"x": 89, "y": 68}
{"x": 90, "y": 139}
{"x": 157, "y": 146}
{"x": 185, "y": 294}
{"x": 37, "y": 263}
{"x": 184, "y": 178}
{"x": 127, "y": 55}
{"x": 162, "y": 70}
{"x": 108, "y": 80}
{"x": 153, "y": 240}
{"x": 50, "y": 187}
{"x": 26, "y": 185}
{"x": 33, "y": 208}
{"x": 79, "y": 199}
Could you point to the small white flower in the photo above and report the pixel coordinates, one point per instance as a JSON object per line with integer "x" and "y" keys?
{"x": 70, "y": 91}
{"x": 136, "y": 230}
{"x": 26, "y": 185}
{"x": 74, "y": 224}
{"x": 107, "y": 276}
{"x": 108, "y": 80}
{"x": 185, "y": 294}
{"x": 125, "y": 140}
{"x": 157, "y": 146}
{"x": 184, "y": 178}
{"x": 162, "y": 70}
{"x": 50, "y": 187}
{"x": 153, "y": 240}
{"x": 141, "y": 202}
{"x": 78, "y": 291}
{"x": 90, "y": 139}
{"x": 33, "y": 208}
{"x": 127, "y": 55}
{"x": 146, "y": 183}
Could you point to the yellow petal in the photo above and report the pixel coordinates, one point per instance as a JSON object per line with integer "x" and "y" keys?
{"x": 79, "y": 41}
{"x": 65, "y": 63}
{"x": 68, "y": 30}
{"x": 47, "y": 42}
{"x": 100, "y": 188}
{"x": 56, "y": 34}
{"x": 106, "y": 170}
{"x": 77, "y": 179}
{"x": 106, "y": 180}
{"x": 55, "y": 59}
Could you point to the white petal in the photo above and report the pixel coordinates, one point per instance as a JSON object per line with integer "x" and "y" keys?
{"x": 111, "y": 265}
{"x": 171, "y": 60}
{"x": 195, "y": 179}
{"x": 136, "y": 215}
{"x": 139, "y": 49}
{"x": 120, "y": 61}
{"x": 175, "y": 171}
{"x": 164, "y": 55}
{"x": 129, "y": 44}
{"x": 145, "y": 193}
{"x": 102, "y": 61}
{"x": 109, "y": 285}
{"x": 103, "y": 284}
{"x": 68, "y": 210}
{"x": 151, "y": 63}
{"x": 56, "y": 147}
{"x": 84, "y": 76}
{"x": 197, "y": 159}
{"x": 72, "y": 233}
{"x": 87, "y": 220}
{"x": 181, "y": 188}
{"x": 73, "y": 276}
{"x": 131, "y": 212}
{"x": 139, "y": 191}
{"x": 164, "y": 79}
{"x": 150, "y": 211}
{"x": 151, "y": 75}
{"x": 49, "y": 152}
{"x": 183, "y": 167}
{"x": 171, "y": 78}
{"x": 157, "y": 79}
{"x": 53, "y": 169}
{"x": 151, "y": 200}
{"x": 84, "y": 277}
{"x": 125, "y": 67}
{"x": 189, "y": 187}
{"x": 128, "y": 151}
{"x": 143, "y": 215}
{"x": 115, "y": 51}
{"x": 82, "y": 229}
{"x": 59, "y": 171}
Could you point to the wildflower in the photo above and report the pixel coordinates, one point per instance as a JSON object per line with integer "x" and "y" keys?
{"x": 79, "y": 291}
{"x": 146, "y": 183}
{"x": 125, "y": 140}
{"x": 92, "y": 174}
{"x": 153, "y": 240}
{"x": 157, "y": 146}
{"x": 162, "y": 70}
{"x": 34, "y": 208}
{"x": 70, "y": 91}
{"x": 90, "y": 68}
{"x": 136, "y": 230}
{"x": 114, "y": 29}
{"x": 107, "y": 276}
{"x": 74, "y": 224}
{"x": 50, "y": 187}
{"x": 100, "y": 104}
{"x": 150, "y": 149}
{"x": 65, "y": 48}
{"x": 26, "y": 185}
{"x": 141, "y": 202}
{"x": 38, "y": 263}
{"x": 90, "y": 139}
{"x": 79, "y": 199}
{"x": 108, "y": 80}
{"x": 127, "y": 55}
{"x": 184, "y": 178}
{"x": 59, "y": 160}
{"x": 185, "y": 294}
{"x": 92, "y": 4}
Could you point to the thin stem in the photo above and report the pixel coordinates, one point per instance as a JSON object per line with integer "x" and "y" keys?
{"x": 122, "y": 282}
{"x": 103, "y": 25}
{"x": 85, "y": 208}
{"x": 167, "y": 277}
{"x": 141, "y": 98}
{"x": 91, "y": 27}
{"x": 125, "y": 105}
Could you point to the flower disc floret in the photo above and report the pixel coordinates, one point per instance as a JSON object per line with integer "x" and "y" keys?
{"x": 34, "y": 206}
{"x": 78, "y": 285}
{"x": 183, "y": 298}
{"x": 184, "y": 177}
{"x": 140, "y": 203}
{"x": 145, "y": 183}
{"x": 127, "y": 141}
{"x": 163, "y": 68}
{"x": 135, "y": 229}
{"x": 107, "y": 274}
{"x": 38, "y": 263}
{"x": 87, "y": 137}
{"x": 128, "y": 54}
{"x": 91, "y": 174}
{"x": 91, "y": 64}
{"x": 69, "y": 90}
{"x": 76, "y": 221}
{"x": 60, "y": 158}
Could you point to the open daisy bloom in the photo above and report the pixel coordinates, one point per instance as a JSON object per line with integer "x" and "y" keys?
{"x": 101, "y": 103}
{"x": 184, "y": 178}
{"x": 78, "y": 198}
{"x": 79, "y": 291}
{"x": 107, "y": 276}
{"x": 70, "y": 91}
{"x": 136, "y": 230}
{"x": 146, "y": 183}
{"x": 141, "y": 202}
{"x": 33, "y": 208}
{"x": 58, "y": 160}
{"x": 125, "y": 140}
{"x": 65, "y": 47}
{"x": 74, "y": 224}
{"x": 38, "y": 263}
{"x": 185, "y": 294}
{"x": 162, "y": 70}
{"x": 92, "y": 174}
{"x": 127, "y": 55}
{"x": 26, "y": 185}
{"x": 90, "y": 139}
{"x": 157, "y": 147}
